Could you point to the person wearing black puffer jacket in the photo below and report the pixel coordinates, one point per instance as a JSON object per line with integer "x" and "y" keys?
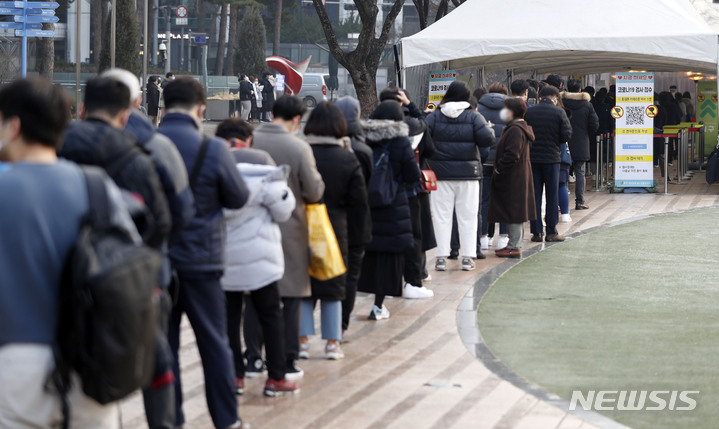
{"x": 383, "y": 264}
{"x": 458, "y": 132}
{"x": 585, "y": 123}
{"x": 551, "y": 128}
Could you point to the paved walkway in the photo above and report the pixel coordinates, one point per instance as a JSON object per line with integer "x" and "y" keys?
{"x": 413, "y": 370}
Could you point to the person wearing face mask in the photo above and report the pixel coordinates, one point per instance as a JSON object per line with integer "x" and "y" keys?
{"x": 246, "y": 95}
{"x": 551, "y": 128}
{"x": 279, "y": 139}
{"x": 512, "y": 197}
{"x": 197, "y": 251}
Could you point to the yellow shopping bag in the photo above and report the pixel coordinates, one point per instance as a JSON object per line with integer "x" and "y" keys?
{"x": 325, "y": 256}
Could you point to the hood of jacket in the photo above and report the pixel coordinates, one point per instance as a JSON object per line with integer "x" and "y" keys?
{"x": 377, "y": 130}
{"x": 493, "y": 101}
{"x": 350, "y": 108}
{"x": 140, "y": 127}
{"x": 576, "y": 96}
{"x": 95, "y": 142}
{"x": 524, "y": 126}
{"x": 453, "y": 109}
{"x": 327, "y": 140}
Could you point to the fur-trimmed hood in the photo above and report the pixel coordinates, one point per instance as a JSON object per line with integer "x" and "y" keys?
{"x": 377, "y": 130}
{"x": 578, "y": 96}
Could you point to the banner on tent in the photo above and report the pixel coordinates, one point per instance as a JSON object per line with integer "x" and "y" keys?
{"x": 634, "y": 114}
{"x": 707, "y": 113}
{"x": 439, "y": 81}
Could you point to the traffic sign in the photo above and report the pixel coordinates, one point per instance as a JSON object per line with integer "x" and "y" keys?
{"x": 34, "y": 33}
{"x": 41, "y": 4}
{"x": 20, "y": 18}
{"x": 181, "y": 11}
{"x": 12, "y": 11}
{"x": 200, "y": 39}
{"x": 18, "y": 26}
{"x": 180, "y": 21}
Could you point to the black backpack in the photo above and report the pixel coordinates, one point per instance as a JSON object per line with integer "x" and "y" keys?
{"x": 383, "y": 187}
{"x": 107, "y": 314}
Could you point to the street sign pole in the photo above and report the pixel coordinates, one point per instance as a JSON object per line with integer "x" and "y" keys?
{"x": 23, "y": 43}
{"x": 78, "y": 57}
{"x": 145, "y": 50}
{"x": 113, "y": 30}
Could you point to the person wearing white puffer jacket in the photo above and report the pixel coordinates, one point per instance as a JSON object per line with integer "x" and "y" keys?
{"x": 255, "y": 263}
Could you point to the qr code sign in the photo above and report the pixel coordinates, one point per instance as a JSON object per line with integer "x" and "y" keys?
{"x": 635, "y": 115}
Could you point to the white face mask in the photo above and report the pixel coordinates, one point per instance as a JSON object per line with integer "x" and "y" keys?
{"x": 505, "y": 115}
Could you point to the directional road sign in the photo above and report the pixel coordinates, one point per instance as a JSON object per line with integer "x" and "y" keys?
{"x": 20, "y": 18}
{"x": 30, "y": 4}
{"x": 18, "y": 26}
{"x": 34, "y": 33}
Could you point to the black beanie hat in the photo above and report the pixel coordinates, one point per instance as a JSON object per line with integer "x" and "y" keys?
{"x": 388, "y": 109}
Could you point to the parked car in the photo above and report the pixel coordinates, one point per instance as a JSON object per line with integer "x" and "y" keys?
{"x": 314, "y": 89}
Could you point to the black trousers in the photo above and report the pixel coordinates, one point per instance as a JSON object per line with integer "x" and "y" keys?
{"x": 266, "y": 302}
{"x": 413, "y": 255}
{"x": 159, "y": 397}
{"x": 253, "y": 332}
{"x": 354, "y": 269}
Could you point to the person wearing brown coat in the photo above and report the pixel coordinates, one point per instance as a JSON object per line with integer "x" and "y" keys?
{"x": 512, "y": 198}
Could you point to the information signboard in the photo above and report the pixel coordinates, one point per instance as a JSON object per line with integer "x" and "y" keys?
{"x": 634, "y": 114}
{"x": 439, "y": 81}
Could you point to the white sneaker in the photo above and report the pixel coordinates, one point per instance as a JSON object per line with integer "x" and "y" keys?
{"x": 428, "y": 278}
{"x": 484, "y": 242}
{"x": 304, "y": 351}
{"x": 378, "y": 313}
{"x": 566, "y": 218}
{"x": 414, "y": 292}
{"x": 334, "y": 352}
{"x": 502, "y": 242}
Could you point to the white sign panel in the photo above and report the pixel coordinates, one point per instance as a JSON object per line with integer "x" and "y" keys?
{"x": 279, "y": 82}
{"x": 439, "y": 81}
{"x": 634, "y": 114}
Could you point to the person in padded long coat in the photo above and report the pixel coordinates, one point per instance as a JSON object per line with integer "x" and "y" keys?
{"x": 383, "y": 264}
{"x": 511, "y": 200}
{"x": 345, "y": 192}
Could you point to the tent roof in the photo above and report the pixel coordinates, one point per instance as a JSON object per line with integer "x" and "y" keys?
{"x": 562, "y": 36}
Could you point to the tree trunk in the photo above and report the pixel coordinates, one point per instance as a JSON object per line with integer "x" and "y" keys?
{"x": 200, "y": 13}
{"x": 365, "y": 83}
{"x": 213, "y": 25}
{"x": 48, "y": 53}
{"x": 232, "y": 43}
{"x": 220, "y": 61}
{"x": 278, "y": 28}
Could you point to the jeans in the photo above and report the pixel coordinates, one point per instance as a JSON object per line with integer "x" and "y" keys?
{"x": 330, "y": 317}
{"x": 563, "y": 198}
{"x": 516, "y": 235}
{"x": 546, "y": 179}
{"x": 266, "y": 301}
{"x": 24, "y": 369}
{"x": 581, "y": 184}
{"x": 462, "y": 198}
{"x": 201, "y": 298}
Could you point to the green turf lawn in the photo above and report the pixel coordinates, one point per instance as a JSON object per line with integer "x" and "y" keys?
{"x": 631, "y": 307}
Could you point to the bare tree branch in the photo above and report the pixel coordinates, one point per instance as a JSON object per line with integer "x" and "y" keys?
{"x": 332, "y": 42}
{"x": 389, "y": 22}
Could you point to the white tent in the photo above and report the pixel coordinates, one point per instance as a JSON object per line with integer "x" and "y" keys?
{"x": 567, "y": 37}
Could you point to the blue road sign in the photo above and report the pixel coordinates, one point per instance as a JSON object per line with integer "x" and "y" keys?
{"x": 35, "y": 18}
{"x": 18, "y": 26}
{"x": 12, "y": 11}
{"x": 200, "y": 39}
{"x": 41, "y": 4}
{"x": 34, "y": 33}
{"x": 17, "y": 4}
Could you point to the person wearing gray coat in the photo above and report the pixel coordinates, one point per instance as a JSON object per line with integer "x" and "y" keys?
{"x": 277, "y": 138}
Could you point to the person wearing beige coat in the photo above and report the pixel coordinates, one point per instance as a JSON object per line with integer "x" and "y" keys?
{"x": 277, "y": 138}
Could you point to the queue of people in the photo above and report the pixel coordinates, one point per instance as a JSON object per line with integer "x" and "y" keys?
{"x": 228, "y": 216}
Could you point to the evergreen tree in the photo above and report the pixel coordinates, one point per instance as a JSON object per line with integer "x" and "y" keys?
{"x": 127, "y": 45}
{"x": 251, "y": 44}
